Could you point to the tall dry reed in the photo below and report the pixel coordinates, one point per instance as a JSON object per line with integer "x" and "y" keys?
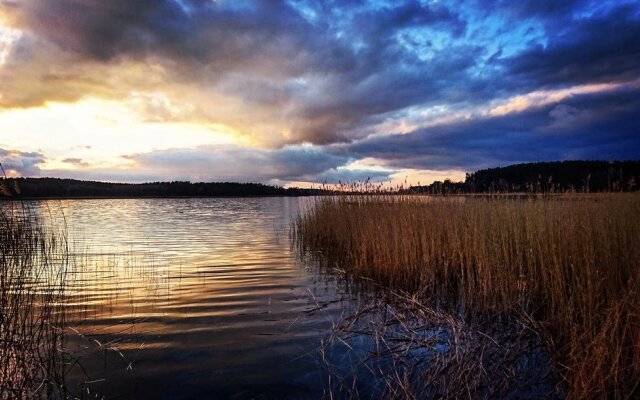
{"x": 31, "y": 285}
{"x": 571, "y": 263}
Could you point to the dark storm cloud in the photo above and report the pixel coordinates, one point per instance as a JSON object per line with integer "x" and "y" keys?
{"x": 350, "y": 53}
{"x": 603, "y": 48}
{"x": 368, "y": 64}
{"x": 390, "y": 89}
{"x": 202, "y": 31}
{"x": 535, "y": 8}
{"x": 24, "y": 163}
{"x": 582, "y": 127}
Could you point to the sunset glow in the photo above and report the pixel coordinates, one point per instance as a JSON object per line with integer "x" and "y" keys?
{"x": 296, "y": 93}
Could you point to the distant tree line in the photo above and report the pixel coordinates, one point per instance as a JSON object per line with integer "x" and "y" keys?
{"x": 541, "y": 177}
{"x": 545, "y": 177}
{"x": 71, "y": 188}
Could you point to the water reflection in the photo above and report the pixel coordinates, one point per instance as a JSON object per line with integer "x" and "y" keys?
{"x": 191, "y": 298}
{"x": 205, "y": 298}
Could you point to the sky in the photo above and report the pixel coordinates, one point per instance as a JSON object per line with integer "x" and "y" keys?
{"x": 300, "y": 92}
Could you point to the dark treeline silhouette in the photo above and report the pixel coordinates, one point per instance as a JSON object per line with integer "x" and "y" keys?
{"x": 545, "y": 177}
{"x": 71, "y": 188}
{"x": 541, "y": 177}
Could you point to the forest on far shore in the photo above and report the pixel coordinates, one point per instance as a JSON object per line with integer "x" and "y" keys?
{"x": 545, "y": 177}
{"x": 540, "y": 177}
{"x": 72, "y": 188}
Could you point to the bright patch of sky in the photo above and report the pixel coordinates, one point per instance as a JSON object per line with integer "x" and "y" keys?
{"x": 8, "y": 37}
{"x": 97, "y": 131}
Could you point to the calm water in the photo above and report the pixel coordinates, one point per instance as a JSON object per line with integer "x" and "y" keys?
{"x": 206, "y": 299}
{"x": 192, "y": 298}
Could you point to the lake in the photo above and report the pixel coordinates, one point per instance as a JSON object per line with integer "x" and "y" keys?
{"x": 208, "y": 299}
{"x": 192, "y": 298}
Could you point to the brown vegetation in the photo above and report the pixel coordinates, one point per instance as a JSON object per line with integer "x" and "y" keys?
{"x": 569, "y": 263}
{"x": 31, "y": 286}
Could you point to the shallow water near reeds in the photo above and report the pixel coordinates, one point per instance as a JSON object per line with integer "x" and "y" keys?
{"x": 205, "y": 299}
{"x": 190, "y": 298}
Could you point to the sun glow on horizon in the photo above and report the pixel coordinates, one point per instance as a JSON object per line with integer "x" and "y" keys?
{"x": 100, "y": 132}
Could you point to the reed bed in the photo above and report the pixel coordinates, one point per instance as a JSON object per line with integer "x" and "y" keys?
{"x": 398, "y": 347}
{"x": 568, "y": 265}
{"x": 32, "y": 277}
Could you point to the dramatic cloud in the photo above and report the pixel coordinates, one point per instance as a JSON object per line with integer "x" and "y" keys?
{"x": 307, "y": 89}
{"x": 601, "y": 48}
{"x": 582, "y": 127}
{"x": 319, "y": 71}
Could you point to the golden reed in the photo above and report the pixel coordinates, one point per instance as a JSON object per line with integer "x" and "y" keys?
{"x": 571, "y": 263}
